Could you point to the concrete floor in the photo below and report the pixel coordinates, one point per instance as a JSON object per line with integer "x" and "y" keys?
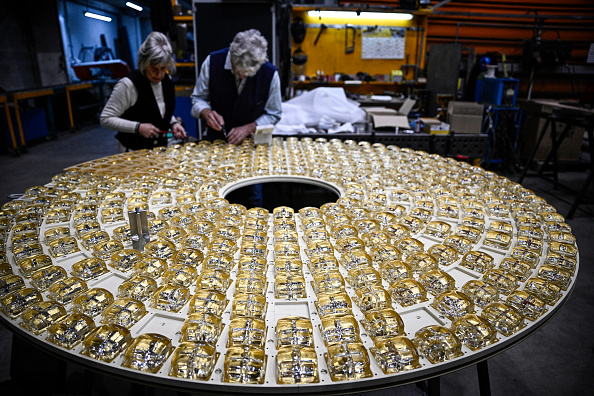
{"x": 556, "y": 360}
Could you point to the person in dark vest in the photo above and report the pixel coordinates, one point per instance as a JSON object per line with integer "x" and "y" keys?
{"x": 238, "y": 89}
{"x": 141, "y": 105}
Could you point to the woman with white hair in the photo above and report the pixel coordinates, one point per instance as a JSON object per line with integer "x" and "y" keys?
{"x": 141, "y": 105}
{"x": 238, "y": 89}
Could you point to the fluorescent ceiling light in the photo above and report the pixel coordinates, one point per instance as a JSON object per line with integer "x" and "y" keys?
{"x": 134, "y": 6}
{"x": 97, "y": 16}
{"x": 366, "y": 15}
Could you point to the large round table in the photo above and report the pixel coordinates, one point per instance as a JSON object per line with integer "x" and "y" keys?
{"x": 423, "y": 265}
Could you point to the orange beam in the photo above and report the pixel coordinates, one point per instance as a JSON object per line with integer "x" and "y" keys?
{"x": 4, "y": 101}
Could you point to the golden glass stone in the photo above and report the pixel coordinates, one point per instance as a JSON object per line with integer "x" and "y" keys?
{"x": 438, "y": 229}
{"x": 65, "y": 290}
{"x": 437, "y": 282}
{"x": 89, "y": 268}
{"x": 294, "y": 331}
{"x": 106, "y": 342}
{"x": 137, "y": 287}
{"x": 170, "y": 298}
{"x": 324, "y": 262}
{"x": 55, "y": 233}
{"x": 395, "y": 354}
{"x": 437, "y": 343}
{"x": 186, "y": 256}
{"x": 25, "y": 251}
{"x": 481, "y": 293}
{"x": 478, "y": 261}
{"x": 328, "y": 282}
{"x": 16, "y": 302}
{"x": 383, "y": 323}
{"x": 529, "y": 305}
{"x": 413, "y": 223}
{"x": 335, "y": 304}
{"x": 160, "y": 248}
{"x": 92, "y": 238}
{"x": 288, "y": 285}
{"x": 244, "y": 365}
{"x": 193, "y": 360}
{"x": 407, "y": 292}
{"x": 474, "y": 331}
{"x": 86, "y": 227}
{"x": 104, "y": 250}
{"x": 214, "y": 280}
{"x": 34, "y": 263}
{"x": 252, "y": 264}
{"x": 422, "y": 262}
{"x": 250, "y": 248}
{"x": 38, "y": 317}
{"x": 504, "y": 282}
{"x": 392, "y": 271}
{"x": 363, "y": 276}
{"x": 296, "y": 365}
{"x": 453, "y": 304}
{"x": 202, "y": 327}
{"x": 543, "y": 289}
{"x": 10, "y": 283}
{"x": 245, "y": 331}
{"x": 348, "y": 361}
{"x": 152, "y": 267}
{"x": 224, "y": 246}
{"x": 92, "y": 302}
{"x": 384, "y": 252}
{"x": 353, "y": 259}
{"x": 180, "y": 275}
{"x": 211, "y": 302}
{"x": 218, "y": 261}
{"x": 148, "y": 352}
{"x": 517, "y": 267}
{"x": 498, "y": 240}
{"x": 161, "y": 198}
{"x": 249, "y": 305}
{"x": 555, "y": 274}
{"x": 70, "y": 331}
{"x": 338, "y": 329}
{"x": 43, "y": 278}
{"x": 505, "y": 318}
{"x": 564, "y": 249}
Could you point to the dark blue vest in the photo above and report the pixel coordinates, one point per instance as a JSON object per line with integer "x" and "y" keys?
{"x": 146, "y": 110}
{"x": 237, "y": 109}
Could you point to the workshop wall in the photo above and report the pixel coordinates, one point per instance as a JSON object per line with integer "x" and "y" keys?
{"x": 328, "y": 53}
{"x": 503, "y": 26}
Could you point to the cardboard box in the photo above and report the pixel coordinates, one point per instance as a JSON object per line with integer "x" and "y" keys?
{"x": 382, "y": 117}
{"x": 465, "y": 117}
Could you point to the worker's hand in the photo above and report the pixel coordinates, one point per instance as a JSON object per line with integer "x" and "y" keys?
{"x": 236, "y": 135}
{"x": 178, "y": 131}
{"x": 213, "y": 119}
{"x": 148, "y": 130}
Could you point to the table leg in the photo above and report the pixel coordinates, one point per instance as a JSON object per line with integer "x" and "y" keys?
{"x": 482, "y": 369}
{"x": 543, "y": 131}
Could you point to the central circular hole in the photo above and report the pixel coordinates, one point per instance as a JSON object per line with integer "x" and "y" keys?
{"x": 296, "y": 195}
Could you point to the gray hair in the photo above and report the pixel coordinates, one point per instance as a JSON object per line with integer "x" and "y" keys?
{"x": 156, "y": 50}
{"x": 248, "y": 52}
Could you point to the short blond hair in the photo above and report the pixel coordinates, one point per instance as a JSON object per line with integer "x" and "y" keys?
{"x": 156, "y": 50}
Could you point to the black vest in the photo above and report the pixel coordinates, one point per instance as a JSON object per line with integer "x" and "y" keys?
{"x": 146, "y": 110}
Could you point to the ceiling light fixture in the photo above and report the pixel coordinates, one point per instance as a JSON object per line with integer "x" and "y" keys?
{"x": 97, "y": 16}
{"x": 394, "y": 16}
{"x": 134, "y": 6}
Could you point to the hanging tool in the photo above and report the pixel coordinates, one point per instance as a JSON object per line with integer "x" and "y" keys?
{"x": 349, "y": 49}
{"x": 322, "y": 28}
